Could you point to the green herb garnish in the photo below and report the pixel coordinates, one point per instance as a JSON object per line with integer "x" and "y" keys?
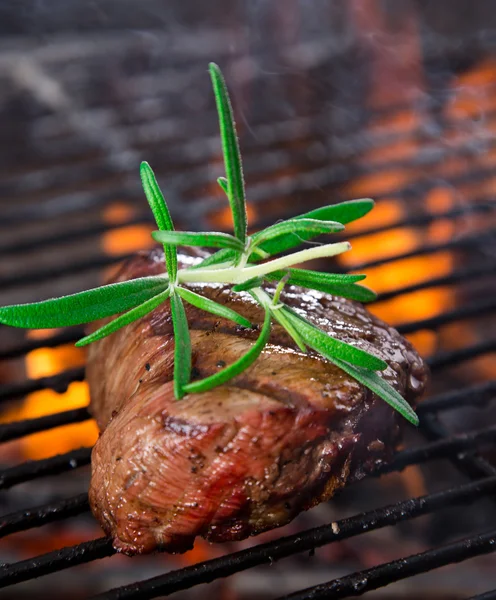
{"x": 243, "y": 262}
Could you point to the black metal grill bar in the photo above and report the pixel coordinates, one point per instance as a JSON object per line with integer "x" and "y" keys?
{"x": 79, "y": 266}
{"x": 452, "y": 357}
{"x": 42, "y": 515}
{"x": 462, "y": 275}
{"x": 483, "y": 206}
{"x": 257, "y": 160}
{"x": 442, "y": 448}
{"x": 316, "y": 179}
{"x": 264, "y": 134}
{"x": 207, "y": 571}
{"x": 17, "y": 429}
{"x": 41, "y": 468}
{"x": 477, "y": 395}
{"x": 57, "y": 560}
{"x": 469, "y": 463}
{"x": 65, "y": 204}
{"x": 372, "y": 579}
{"x": 473, "y": 310}
{"x": 66, "y": 336}
{"x": 97, "y": 262}
{"x": 59, "y": 383}
{"x": 321, "y": 178}
{"x": 463, "y": 242}
{"x": 74, "y": 235}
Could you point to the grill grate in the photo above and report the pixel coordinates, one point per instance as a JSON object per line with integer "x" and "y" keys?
{"x": 287, "y": 162}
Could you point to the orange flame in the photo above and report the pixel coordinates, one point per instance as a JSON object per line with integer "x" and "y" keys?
{"x": 44, "y": 362}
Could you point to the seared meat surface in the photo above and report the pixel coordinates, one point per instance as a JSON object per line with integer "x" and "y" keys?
{"x": 249, "y": 455}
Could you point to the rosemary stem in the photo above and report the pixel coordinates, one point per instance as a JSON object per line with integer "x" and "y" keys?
{"x": 240, "y": 275}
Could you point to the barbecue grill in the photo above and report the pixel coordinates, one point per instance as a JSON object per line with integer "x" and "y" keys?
{"x": 84, "y": 109}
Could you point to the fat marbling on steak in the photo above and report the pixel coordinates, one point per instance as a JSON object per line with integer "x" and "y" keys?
{"x": 246, "y": 456}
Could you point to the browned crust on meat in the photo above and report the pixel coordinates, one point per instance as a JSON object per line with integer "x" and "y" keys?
{"x": 246, "y": 456}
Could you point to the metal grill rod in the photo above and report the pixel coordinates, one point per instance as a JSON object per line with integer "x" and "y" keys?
{"x": 462, "y": 275}
{"x": 476, "y": 309}
{"x": 34, "y": 469}
{"x": 476, "y": 395}
{"x": 324, "y": 177}
{"x": 443, "y": 448}
{"x": 59, "y": 382}
{"x": 66, "y": 204}
{"x": 467, "y": 241}
{"x": 196, "y": 212}
{"x": 65, "y": 558}
{"x": 194, "y": 155}
{"x": 77, "y": 235}
{"x": 96, "y": 262}
{"x": 484, "y": 206}
{"x": 371, "y": 579}
{"x": 472, "y": 465}
{"x": 18, "y": 429}
{"x": 42, "y": 515}
{"x": 452, "y": 357}
{"x": 64, "y": 337}
{"x": 267, "y": 553}
{"x": 478, "y": 206}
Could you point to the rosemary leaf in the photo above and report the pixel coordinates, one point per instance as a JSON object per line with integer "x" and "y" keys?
{"x": 212, "y": 307}
{"x": 236, "y": 367}
{"x": 292, "y": 331}
{"x": 307, "y": 278}
{"x": 182, "y": 346}
{"x": 83, "y": 307}
{"x": 308, "y": 228}
{"x": 125, "y": 319}
{"x": 192, "y": 238}
{"x": 331, "y": 283}
{"x": 230, "y": 150}
{"x": 344, "y": 212}
{"x": 222, "y": 181}
{"x": 376, "y": 384}
{"x": 352, "y": 291}
{"x": 248, "y": 285}
{"x": 330, "y": 347}
{"x": 221, "y": 256}
{"x": 161, "y": 213}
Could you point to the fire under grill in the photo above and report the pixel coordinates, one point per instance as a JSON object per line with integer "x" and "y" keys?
{"x": 72, "y": 209}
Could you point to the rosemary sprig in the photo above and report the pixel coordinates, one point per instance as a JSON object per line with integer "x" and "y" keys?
{"x": 243, "y": 262}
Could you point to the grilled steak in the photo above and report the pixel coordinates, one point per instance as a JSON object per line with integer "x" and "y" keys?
{"x": 249, "y": 455}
